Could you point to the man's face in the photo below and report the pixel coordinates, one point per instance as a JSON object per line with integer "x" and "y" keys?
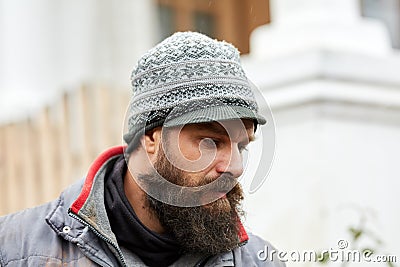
{"x": 196, "y": 155}
{"x": 205, "y": 153}
{"x": 208, "y": 149}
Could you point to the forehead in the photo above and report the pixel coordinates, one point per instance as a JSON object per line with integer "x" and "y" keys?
{"x": 226, "y": 127}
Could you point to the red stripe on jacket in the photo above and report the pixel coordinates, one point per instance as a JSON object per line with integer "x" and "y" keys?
{"x": 87, "y": 186}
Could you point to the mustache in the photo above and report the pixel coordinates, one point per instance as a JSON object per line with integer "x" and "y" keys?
{"x": 162, "y": 188}
{"x": 223, "y": 183}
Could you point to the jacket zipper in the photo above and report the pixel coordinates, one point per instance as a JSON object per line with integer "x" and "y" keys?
{"x": 102, "y": 237}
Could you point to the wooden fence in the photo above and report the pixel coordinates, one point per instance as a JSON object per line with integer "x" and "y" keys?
{"x": 45, "y": 153}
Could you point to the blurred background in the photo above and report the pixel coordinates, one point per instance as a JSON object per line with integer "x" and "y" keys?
{"x": 329, "y": 69}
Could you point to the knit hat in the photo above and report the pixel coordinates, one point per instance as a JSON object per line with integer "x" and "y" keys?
{"x": 188, "y": 78}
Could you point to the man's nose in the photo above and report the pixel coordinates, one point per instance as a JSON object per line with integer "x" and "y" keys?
{"x": 230, "y": 161}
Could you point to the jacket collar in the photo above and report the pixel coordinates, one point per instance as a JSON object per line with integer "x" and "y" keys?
{"x": 90, "y": 178}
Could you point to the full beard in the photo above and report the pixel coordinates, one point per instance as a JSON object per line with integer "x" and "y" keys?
{"x": 212, "y": 228}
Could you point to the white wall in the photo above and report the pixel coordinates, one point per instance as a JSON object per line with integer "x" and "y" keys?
{"x": 333, "y": 165}
{"x": 334, "y": 89}
{"x": 50, "y": 46}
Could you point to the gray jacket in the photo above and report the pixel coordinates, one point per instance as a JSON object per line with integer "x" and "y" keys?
{"x": 74, "y": 231}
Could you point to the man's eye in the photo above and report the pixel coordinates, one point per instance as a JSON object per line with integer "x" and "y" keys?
{"x": 242, "y": 148}
{"x": 209, "y": 142}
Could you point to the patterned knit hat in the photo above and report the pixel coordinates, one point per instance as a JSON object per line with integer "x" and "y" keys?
{"x": 188, "y": 78}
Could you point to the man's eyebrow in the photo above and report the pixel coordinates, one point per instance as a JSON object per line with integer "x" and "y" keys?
{"x": 211, "y": 127}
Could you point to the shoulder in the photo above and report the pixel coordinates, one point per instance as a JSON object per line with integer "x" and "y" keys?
{"x": 28, "y": 221}
{"x": 22, "y": 233}
{"x": 26, "y": 234}
{"x": 255, "y": 253}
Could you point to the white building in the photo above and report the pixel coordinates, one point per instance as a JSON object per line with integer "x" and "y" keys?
{"x": 333, "y": 83}
{"x": 51, "y": 46}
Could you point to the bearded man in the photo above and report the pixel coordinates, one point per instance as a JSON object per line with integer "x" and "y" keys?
{"x": 170, "y": 197}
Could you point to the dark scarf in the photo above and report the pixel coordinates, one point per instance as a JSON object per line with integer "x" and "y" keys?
{"x": 152, "y": 248}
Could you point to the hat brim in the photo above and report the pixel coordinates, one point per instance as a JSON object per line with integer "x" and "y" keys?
{"x": 219, "y": 113}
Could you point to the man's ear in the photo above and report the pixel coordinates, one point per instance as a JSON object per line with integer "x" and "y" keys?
{"x": 152, "y": 140}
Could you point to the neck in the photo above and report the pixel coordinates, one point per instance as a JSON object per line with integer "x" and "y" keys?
{"x": 137, "y": 198}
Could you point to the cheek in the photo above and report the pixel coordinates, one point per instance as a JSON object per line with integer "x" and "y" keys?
{"x": 192, "y": 158}
{"x": 188, "y": 150}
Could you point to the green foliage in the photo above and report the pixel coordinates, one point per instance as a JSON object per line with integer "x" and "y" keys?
{"x": 356, "y": 233}
{"x": 323, "y": 257}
